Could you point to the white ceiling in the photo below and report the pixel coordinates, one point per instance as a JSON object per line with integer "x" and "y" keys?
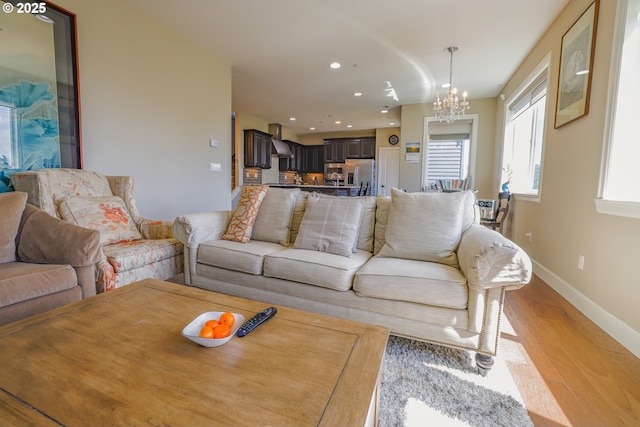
{"x": 280, "y": 51}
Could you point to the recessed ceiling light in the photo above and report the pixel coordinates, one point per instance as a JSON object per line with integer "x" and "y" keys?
{"x": 293, "y": 119}
{"x": 312, "y": 128}
{"x": 384, "y": 111}
{"x": 392, "y": 124}
{"x": 349, "y": 126}
{"x": 338, "y": 122}
{"x": 335, "y": 65}
{"x": 357, "y": 94}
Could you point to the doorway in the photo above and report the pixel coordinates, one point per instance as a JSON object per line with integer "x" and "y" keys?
{"x": 388, "y": 170}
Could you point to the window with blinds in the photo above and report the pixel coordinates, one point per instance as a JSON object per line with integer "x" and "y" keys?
{"x": 524, "y": 136}
{"x": 447, "y": 157}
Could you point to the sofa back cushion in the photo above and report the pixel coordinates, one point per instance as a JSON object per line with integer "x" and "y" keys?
{"x": 329, "y": 225}
{"x": 470, "y": 216}
{"x": 425, "y": 226}
{"x": 383, "y": 204}
{"x": 12, "y": 207}
{"x": 108, "y": 215}
{"x": 274, "y": 216}
{"x": 298, "y": 212}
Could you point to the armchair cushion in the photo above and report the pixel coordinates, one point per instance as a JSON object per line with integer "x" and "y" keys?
{"x": 108, "y": 215}
{"x": 138, "y": 253}
{"x": 12, "y": 207}
{"x": 244, "y": 217}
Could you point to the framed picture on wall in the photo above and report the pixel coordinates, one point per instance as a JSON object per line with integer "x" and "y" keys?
{"x": 39, "y": 102}
{"x": 576, "y": 67}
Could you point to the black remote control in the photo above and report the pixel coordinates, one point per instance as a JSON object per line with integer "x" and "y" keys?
{"x": 256, "y": 321}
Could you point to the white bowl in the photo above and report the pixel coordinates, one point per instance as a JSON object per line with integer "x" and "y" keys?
{"x": 192, "y": 330}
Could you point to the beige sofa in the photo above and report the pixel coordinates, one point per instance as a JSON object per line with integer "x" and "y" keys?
{"x": 421, "y": 266}
{"x": 44, "y": 262}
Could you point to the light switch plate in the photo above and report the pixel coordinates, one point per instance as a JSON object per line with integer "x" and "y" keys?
{"x": 216, "y": 167}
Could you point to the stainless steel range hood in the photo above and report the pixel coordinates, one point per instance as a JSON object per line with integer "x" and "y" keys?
{"x": 282, "y": 148}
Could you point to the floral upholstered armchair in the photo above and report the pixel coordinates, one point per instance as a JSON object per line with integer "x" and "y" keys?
{"x": 133, "y": 248}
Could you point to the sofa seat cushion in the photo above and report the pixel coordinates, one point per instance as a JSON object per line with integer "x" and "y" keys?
{"x": 315, "y": 268}
{"x": 20, "y": 281}
{"x": 138, "y": 253}
{"x": 414, "y": 281}
{"x": 244, "y": 257}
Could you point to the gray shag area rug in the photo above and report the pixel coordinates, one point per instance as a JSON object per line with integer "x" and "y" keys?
{"x": 425, "y": 384}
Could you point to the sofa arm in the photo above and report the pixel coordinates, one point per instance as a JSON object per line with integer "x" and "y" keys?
{"x": 196, "y": 228}
{"x": 489, "y": 260}
{"x": 44, "y": 239}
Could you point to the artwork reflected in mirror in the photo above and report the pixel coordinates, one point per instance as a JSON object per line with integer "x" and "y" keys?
{"x": 39, "y": 124}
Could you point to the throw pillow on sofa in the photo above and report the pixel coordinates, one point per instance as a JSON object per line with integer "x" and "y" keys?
{"x": 108, "y": 215}
{"x": 424, "y": 226}
{"x": 367, "y": 220}
{"x": 274, "y": 216}
{"x": 13, "y": 204}
{"x": 329, "y": 225}
{"x": 244, "y": 217}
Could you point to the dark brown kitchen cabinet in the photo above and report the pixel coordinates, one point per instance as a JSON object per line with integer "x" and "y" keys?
{"x": 335, "y": 150}
{"x": 361, "y": 148}
{"x": 306, "y": 159}
{"x": 257, "y": 149}
{"x": 313, "y": 159}
{"x": 294, "y": 163}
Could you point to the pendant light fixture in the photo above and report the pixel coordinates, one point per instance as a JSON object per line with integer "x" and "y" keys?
{"x": 450, "y": 108}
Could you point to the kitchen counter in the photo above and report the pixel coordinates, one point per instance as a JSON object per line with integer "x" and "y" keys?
{"x": 342, "y": 190}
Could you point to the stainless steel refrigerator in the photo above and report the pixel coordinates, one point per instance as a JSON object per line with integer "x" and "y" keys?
{"x": 362, "y": 174}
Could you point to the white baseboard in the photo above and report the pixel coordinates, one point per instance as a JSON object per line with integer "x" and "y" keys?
{"x": 613, "y": 326}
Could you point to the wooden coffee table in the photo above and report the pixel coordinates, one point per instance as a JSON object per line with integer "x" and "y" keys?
{"x": 119, "y": 359}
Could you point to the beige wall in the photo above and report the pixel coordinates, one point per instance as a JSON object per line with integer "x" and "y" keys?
{"x": 150, "y": 102}
{"x": 565, "y": 224}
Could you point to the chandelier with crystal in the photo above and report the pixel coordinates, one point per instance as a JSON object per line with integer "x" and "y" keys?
{"x": 450, "y": 108}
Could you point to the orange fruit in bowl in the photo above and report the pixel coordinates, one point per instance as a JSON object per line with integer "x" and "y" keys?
{"x": 206, "y": 332}
{"x": 221, "y": 331}
{"x": 227, "y": 319}
{"x": 212, "y": 323}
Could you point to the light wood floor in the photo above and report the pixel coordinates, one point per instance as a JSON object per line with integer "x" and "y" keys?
{"x": 568, "y": 370}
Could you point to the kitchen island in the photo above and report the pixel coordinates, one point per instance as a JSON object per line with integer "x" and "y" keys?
{"x": 341, "y": 190}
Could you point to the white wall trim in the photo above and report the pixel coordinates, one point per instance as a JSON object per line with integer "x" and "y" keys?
{"x": 613, "y": 326}
{"x": 612, "y": 207}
